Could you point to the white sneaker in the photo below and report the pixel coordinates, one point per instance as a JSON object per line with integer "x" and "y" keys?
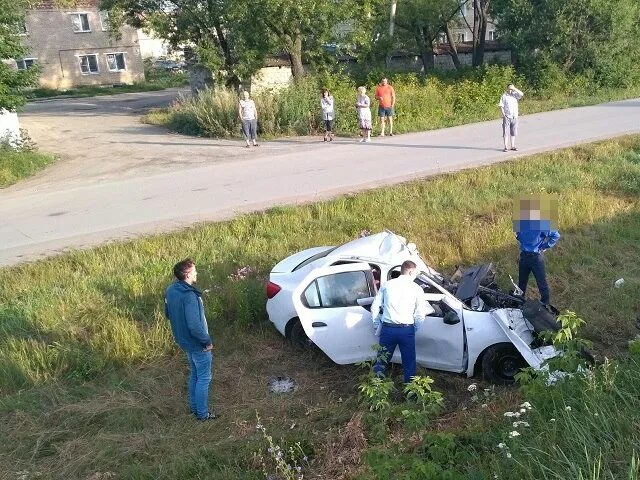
{"x": 361, "y": 140}
{"x": 368, "y": 140}
{"x": 382, "y": 134}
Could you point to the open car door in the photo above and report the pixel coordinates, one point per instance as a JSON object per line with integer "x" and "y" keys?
{"x": 333, "y": 304}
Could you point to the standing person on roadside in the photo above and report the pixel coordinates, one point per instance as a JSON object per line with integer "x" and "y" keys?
{"x": 328, "y": 115}
{"x": 533, "y": 225}
{"x": 185, "y": 311}
{"x": 509, "y": 108}
{"x": 249, "y": 118}
{"x": 363, "y": 104}
{"x": 386, "y": 96}
{"x": 403, "y": 311}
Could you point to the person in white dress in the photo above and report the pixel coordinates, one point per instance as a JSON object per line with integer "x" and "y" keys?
{"x": 363, "y": 106}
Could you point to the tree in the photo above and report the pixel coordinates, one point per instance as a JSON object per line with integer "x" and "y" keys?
{"x": 216, "y": 29}
{"x": 590, "y": 37}
{"x": 13, "y": 83}
{"x": 300, "y": 26}
{"x": 422, "y": 21}
{"x": 480, "y": 22}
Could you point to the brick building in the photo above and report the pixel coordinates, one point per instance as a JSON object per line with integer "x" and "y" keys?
{"x": 72, "y": 47}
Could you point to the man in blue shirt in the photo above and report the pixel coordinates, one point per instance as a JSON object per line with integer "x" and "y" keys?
{"x": 535, "y": 235}
{"x": 185, "y": 311}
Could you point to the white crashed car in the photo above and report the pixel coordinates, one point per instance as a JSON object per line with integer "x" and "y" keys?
{"x": 323, "y": 296}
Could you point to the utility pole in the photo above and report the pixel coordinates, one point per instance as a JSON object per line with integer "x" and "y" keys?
{"x": 392, "y": 17}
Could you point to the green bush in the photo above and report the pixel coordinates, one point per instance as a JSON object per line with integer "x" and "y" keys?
{"x": 423, "y": 103}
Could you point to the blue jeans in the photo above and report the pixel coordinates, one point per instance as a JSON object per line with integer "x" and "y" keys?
{"x": 199, "y": 379}
{"x": 533, "y": 262}
{"x": 403, "y": 337}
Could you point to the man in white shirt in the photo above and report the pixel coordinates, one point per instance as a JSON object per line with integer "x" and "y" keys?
{"x": 400, "y": 307}
{"x": 509, "y": 108}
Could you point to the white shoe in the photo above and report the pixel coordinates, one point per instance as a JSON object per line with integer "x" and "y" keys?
{"x": 361, "y": 140}
{"x": 382, "y": 134}
{"x": 368, "y": 140}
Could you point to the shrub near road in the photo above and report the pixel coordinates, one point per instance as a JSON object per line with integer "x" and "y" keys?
{"x": 423, "y": 103}
{"x": 91, "y": 383}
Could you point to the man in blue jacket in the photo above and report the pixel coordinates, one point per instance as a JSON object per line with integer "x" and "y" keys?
{"x": 535, "y": 233}
{"x": 185, "y": 311}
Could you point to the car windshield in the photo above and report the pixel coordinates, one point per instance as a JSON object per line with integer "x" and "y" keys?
{"x": 313, "y": 258}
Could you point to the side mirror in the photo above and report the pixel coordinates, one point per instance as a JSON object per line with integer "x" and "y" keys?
{"x": 451, "y": 318}
{"x": 365, "y": 302}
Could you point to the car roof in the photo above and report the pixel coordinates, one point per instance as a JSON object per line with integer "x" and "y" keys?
{"x": 383, "y": 246}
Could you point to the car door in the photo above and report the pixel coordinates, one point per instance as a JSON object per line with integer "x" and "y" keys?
{"x": 440, "y": 343}
{"x": 332, "y": 305}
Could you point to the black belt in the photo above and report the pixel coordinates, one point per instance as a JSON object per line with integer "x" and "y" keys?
{"x": 397, "y": 325}
{"x": 529, "y": 253}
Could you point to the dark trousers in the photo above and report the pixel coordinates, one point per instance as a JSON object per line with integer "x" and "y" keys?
{"x": 533, "y": 262}
{"x": 403, "y": 337}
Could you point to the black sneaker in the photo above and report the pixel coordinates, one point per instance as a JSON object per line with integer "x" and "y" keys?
{"x": 210, "y": 416}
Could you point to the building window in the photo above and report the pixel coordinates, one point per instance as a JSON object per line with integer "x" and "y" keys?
{"x": 115, "y": 62}
{"x": 492, "y": 34}
{"x": 104, "y": 20}
{"x": 462, "y": 37}
{"x": 80, "y": 22}
{"x": 25, "y": 63}
{"x": 463, "y": 8}
{"x": 89, "y": 64}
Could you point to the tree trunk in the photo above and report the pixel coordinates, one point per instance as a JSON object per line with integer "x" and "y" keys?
{"x": 453, "y": 51}
{"x": 480, "y": 18}
{"x": 295, "y": 56}
{"x": 426, "y": 52}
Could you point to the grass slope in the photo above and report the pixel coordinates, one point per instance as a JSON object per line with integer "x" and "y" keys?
{"x": 91, "y": 385}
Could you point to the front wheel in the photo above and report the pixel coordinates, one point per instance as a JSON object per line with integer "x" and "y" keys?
{"x": 501, "y": 363}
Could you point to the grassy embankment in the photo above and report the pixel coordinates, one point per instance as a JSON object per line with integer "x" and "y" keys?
{"x": 18, "y": 164}
{"x": 423, "y": 103}
{"x": 91, "y": 384}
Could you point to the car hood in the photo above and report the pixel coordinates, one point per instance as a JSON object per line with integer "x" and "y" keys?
{"x": 472, "y": 278}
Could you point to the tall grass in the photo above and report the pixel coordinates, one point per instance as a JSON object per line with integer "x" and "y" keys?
{"x": 16, "y": 164}
{"x": 92, "y": 383}
{"x": 423, "y": 103}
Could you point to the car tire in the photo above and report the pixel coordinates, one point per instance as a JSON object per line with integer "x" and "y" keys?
{"x": 298, "y": 337}
{"x": 501, "y": 362}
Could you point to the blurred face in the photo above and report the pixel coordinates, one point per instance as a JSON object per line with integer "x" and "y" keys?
{"x": 384, "y": 81}
{"x": 510, "y": 88}
{"x": 325, "y": 94}
{"x": 245, "y": 95}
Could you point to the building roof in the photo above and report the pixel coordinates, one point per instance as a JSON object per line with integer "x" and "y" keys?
{"x": 60, "y": 5}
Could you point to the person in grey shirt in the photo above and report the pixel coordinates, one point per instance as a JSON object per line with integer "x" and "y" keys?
{"x": 509, "y": 108}
{"x": 249, "y": 118}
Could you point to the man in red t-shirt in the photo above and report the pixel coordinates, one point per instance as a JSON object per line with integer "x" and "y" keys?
{"x": 386, "y": 96}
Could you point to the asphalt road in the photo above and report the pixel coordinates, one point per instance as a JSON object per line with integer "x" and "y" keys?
{"x": 119, "y": 179}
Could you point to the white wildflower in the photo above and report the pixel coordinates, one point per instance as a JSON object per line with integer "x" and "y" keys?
{"x": 484, "y": 405}
{"x": 509, "y": 414}
{"x": 523, "y": 410}
{"x": 552, "y": 420}
{"x": 520, "y": 423}
{"x": 472, "y": 387}
{"x": 567, "y": 408}
{"x": 502, "y": 445}
{"x": 526, "y": 405}
{"x": 509, "y": 455}
{"x": 514, "y": 434}
{"x": 596, "y": 415}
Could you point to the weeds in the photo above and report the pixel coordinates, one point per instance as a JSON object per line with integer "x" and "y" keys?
{"x": 20, "y": 160}
{"x": 423, "y": 103}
